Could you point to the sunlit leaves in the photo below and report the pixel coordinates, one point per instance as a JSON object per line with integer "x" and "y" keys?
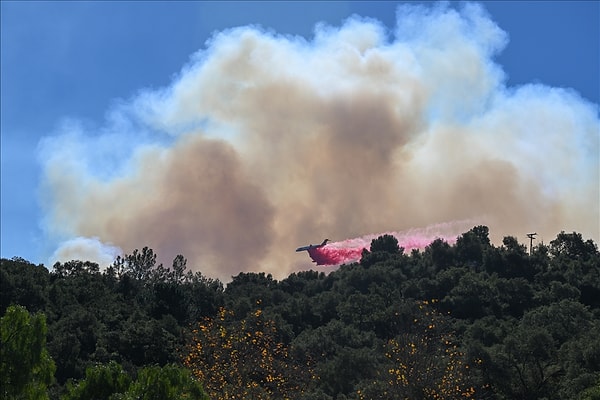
{"x": 424, "y": 362}
{"x": 241, "y": 359}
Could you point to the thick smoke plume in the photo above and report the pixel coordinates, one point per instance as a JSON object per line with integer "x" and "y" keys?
{"x": 266, "y": 142}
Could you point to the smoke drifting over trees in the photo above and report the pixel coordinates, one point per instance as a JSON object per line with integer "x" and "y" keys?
{"x": 264, "y": 142}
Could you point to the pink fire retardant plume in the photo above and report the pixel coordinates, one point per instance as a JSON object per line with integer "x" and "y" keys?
{"x": 334, "y": 256}
{"x": 350, "y": 250}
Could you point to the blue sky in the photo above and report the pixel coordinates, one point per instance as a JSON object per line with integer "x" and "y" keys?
{"x": 77, "y": 59}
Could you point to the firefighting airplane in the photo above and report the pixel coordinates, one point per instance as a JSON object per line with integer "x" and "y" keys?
{"x": 313, "y": 246}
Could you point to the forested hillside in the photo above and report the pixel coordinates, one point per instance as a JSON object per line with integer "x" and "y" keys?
{"x": 470, "y": 320}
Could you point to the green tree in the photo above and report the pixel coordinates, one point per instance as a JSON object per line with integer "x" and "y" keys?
{"x": 385, "y": 243}
{"x": 138, "y": 265}
{"x": 515, "y": 262}
{"x": 573, "y": 246}
{"x": 167, "y": 383}
{"x": 527, "y": 365}
{"x": 382, "y": 248}
{"x": 26, "y": 368}
{"x": 244, "y": 359}
{"x": 111, "y": 382}
{"x": 423, "y": 360}
{"x": 178, "y": 268}
{"x": 471, "y": 246}
{"x": 100, "y": 383}
{"x": 593, "y": 393}
{"x": 346, "y": 356}
{"x": 24, "y": 283}
{"x": 474, "y": 296}
{"x": 74, "y": 267}
{"x": 440, "y": 254}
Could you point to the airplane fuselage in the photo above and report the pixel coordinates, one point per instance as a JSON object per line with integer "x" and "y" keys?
{"x": 312, "y": 246}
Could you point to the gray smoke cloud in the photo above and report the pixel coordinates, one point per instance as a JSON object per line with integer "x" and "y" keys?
{"x": 265, "y": 142}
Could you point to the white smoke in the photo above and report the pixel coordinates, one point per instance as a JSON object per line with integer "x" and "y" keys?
{"x": 86, "y": 249}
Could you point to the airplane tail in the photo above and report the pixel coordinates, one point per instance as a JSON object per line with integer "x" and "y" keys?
{"x": 325, "y": 242}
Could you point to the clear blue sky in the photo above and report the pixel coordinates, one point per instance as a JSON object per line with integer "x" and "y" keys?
{"x": 64, "y": 59}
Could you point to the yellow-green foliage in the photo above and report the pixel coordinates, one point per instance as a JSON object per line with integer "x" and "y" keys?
{"x": 243, "y": 359}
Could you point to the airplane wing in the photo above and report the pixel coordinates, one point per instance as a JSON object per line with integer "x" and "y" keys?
{"x": 304, "y": 248}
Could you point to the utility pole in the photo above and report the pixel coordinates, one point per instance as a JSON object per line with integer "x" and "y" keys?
{"x": 531, "y": 236}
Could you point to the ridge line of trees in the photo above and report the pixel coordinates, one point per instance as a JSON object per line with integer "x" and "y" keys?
{"x": 469, "y": 320}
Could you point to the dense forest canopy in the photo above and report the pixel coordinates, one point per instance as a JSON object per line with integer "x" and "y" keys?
{"x": 468, "y": 320}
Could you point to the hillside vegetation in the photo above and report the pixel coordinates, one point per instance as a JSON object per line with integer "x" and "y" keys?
{"x": 470, "y": 320}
